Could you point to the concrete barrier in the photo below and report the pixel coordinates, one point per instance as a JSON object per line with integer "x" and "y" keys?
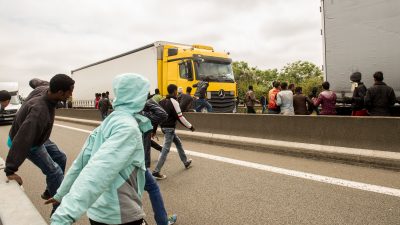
{"x": 378, "y": 133}
{"x": 370, "y": 157}
{"x": 15, "y": 206}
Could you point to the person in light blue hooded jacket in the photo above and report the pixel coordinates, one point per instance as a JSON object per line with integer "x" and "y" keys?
{"x": 107, "y": 178}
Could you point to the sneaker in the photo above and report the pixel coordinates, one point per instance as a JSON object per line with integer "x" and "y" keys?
{"x": 45, "y": 195}
{"x": 188, "y": 163}
{"x": 159, "y": 176}
{"x": 172, "y": 219}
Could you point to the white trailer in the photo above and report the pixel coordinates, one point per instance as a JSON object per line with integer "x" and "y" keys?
{"x": 364, "y": 36}
{"x": 97, "y": 77}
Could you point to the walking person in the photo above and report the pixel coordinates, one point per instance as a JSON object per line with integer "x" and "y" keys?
{"x": 327, "y": 100}
{"x": 273, "y": 108}
{"x": 107, "y": 178}
{"x": 302, "y": 104}
{"x": 171, "y": 106}
{"x": 104, "y": 106}
{"x": 380, "y": 97}
{"x": 251, "y": 100}
{"x": 186, "y": 101}
{"x": 285, "y": 100}
{"x": 157, "y": 115}
{"x": 97, "y": 100}
{"x": 359, "y": 92}
{"x": 201, "y": 94}
{"x": 40, "y": 88}
{"x": 30, "y": 132}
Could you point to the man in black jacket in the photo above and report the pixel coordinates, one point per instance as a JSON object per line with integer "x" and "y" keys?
{"x": 171, "y": 106}
{"x": 357, "y": 101}
{"x": 32, "y": 128}
{"x": 40, "y": 88}
{"x": 380, "y": 97}
{"x": 157, "y": 115}
{"x": 201, "y": 94}
{"x": 186, "y": 101}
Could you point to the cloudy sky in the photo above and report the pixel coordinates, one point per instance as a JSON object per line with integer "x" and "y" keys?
{"x": 42, "y": 38}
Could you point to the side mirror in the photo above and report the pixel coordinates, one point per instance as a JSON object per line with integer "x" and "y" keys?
{"x": 189, "y": 68}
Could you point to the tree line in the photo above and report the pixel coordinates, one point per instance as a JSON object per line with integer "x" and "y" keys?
{"x": 301, "y": 73}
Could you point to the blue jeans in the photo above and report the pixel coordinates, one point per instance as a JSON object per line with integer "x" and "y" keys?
{"x": 52, "y": 163}
{"x": 203, "y": 103}
{"x": 151, "y": 186}
{"x": 169, "y": 137}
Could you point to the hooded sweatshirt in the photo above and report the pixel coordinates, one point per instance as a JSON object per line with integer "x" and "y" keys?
{"x": 107, "y": 178}
{"x": 32, "y": 126}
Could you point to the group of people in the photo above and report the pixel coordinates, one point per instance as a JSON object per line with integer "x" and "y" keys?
{"x": 187, "y": 102}
{"x": 103, "y": 103}
{"x": 289, "y": 100}
{"x": 111, "y": 172}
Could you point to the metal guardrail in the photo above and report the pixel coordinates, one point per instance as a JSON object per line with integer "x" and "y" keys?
{"x": 83, "y": 104}
{"x": 15, "y": 206}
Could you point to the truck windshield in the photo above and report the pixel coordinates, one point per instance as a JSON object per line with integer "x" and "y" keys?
{"x": 215, "y": 71}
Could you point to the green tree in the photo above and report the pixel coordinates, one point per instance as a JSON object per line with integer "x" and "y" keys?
{"x": 301, "y": 73}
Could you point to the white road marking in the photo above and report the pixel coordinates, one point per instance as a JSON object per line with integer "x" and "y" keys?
{"x": 292, "y": 173}
{"x": 73, "y": 128}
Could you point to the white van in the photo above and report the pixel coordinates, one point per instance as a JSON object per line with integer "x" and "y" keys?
{"x": 8, "y": 114}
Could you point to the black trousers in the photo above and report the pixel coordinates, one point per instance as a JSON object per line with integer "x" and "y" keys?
{"x": 139, "y": 222}
{"x": 250, "y": 109}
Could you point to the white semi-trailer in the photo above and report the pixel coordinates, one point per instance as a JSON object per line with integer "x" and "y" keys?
{"x": 163, "y": 63}
{"x": 364, "y": 36}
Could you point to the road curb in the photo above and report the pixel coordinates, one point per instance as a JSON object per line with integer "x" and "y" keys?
{"x": 15, "y": 206}
{"x": 373, "y": 157}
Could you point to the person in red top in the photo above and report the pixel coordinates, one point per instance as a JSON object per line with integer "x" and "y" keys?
{"x": 327, "y": 100}
{"x": 273, "y": 108}
{"x": 97, "y": 100}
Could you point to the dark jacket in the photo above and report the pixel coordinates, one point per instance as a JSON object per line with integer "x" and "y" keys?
{"x": 379, "y": 98}
{"x": 31, "y": 128}
{"x": 358, "y": 97}
{"x": 171, "y": 106}
{"x": 155, "y": 113}
{"x": 104, "y": 104}
{"x": 201, "y": 91}
{"x": 300, "y": 103}
{"x": 186, "y": 102}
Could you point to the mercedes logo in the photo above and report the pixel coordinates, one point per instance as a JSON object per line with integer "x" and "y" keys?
{"x": 221, "y": 93}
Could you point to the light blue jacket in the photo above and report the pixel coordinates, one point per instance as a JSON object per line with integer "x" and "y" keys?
{"x": 107, "y": 178}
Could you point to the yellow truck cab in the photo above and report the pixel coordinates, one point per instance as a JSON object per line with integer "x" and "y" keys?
{"x": 187, "y": 65}
{"x": 163, "y": 63}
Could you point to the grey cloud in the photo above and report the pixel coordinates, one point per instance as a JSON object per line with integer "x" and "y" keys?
{"x": 41, "y": 38}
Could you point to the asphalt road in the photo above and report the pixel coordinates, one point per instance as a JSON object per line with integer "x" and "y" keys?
{"x": 216, "y": 192}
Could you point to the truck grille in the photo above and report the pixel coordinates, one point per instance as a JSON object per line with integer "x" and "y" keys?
{"x": 222, "y": 103}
